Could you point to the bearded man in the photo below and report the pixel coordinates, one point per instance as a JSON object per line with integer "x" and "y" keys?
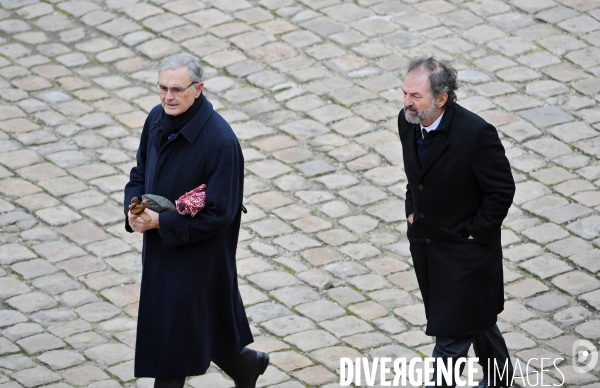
{"x": 459, "y": 190}
{"x": 191, "y": 312}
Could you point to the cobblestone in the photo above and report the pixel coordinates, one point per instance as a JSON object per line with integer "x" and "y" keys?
{"x": 64, "y": 330}
{"x": 85, "y": 340}
{"x": 35, "y": 376}
{"x": 85, "y": 375}
{"x": 541, "y": 329}
{"x": 31, "y": 302}
{"x": 311, "y": 340}
{"x": 108, "y": 354}
{"x": 572, "y": 315}
{"x": 9, "y": 318}
{"x": 545, "y": 266}
{"x": 16, "y": 363}
{"x": 40, "y": 343}
{"x": 11, "y": 287}
{"x": 576, "y": 283}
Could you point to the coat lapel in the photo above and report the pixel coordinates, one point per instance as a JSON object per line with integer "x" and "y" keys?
{"x": 409, "y": 140}
{"x": 439, "y": 143}
{"x": 154, "y": 136}
{"x": 437, "y": 149}
{"x": 191, "y": 130}
{"x": 413, "y": 156}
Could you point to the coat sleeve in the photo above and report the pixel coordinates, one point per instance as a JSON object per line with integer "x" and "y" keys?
{"x": 224, "y": 190}
{"x": 492, "y": 171}
{"x": 137, "y": 177}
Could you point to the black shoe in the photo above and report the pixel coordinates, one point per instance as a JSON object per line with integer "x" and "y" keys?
{"x": 244, "y": 367}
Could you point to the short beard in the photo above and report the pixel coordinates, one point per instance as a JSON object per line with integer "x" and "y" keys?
{"x": 419, "y": 117}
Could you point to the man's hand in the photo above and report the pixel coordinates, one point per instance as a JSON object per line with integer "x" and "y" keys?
{"x": 410, "y": 218}
{"x": 139, "y": 225}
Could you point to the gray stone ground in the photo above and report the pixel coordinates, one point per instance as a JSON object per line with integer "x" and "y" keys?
{"x": 312, "y": 89}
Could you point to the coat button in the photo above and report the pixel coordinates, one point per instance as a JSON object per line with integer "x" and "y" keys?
{"x": 427, "y": 240}
{"x": 421, "y": 215}
{"x": 183, "y": 238}
{"x": 420, "y": 187}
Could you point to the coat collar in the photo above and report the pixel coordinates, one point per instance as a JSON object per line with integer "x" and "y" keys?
{"x": 190, "y": 130}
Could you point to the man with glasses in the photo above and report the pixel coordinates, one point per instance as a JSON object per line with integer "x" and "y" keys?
{"x": 190, "y": 311}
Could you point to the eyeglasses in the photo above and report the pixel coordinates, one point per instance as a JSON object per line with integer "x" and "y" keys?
{"x": 175, "y": 90}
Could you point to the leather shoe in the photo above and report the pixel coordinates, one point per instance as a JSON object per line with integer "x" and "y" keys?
{"x": 244, "y": 367}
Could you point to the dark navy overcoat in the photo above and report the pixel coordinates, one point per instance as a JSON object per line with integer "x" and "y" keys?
{"x": 190, "y": 306}
{"x": 464, "y": 188}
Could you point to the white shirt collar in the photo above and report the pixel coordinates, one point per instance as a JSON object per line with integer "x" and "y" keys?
{"x": 435, "y": 124}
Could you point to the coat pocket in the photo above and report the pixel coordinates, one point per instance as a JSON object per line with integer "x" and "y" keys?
{"x": 410, "y": 229}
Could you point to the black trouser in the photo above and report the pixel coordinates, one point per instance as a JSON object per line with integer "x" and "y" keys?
{"x": 489, "y": 346}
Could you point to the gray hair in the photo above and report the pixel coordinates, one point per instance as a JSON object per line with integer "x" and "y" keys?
{"x": 178, "y": 61}
{"x": 442, "y": 76}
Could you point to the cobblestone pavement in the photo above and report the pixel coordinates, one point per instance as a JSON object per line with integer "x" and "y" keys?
{"x": 312, "y": 89}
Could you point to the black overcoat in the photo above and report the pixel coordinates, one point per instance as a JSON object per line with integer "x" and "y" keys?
{"x": 464, "y": 188}
{"x": 190, "y": 306}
